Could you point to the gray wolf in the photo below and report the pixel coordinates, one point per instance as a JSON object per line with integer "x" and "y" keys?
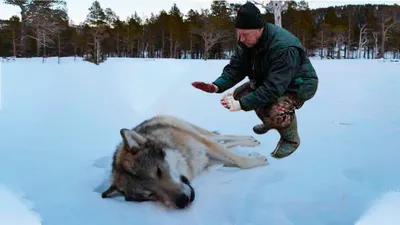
{"x": 158, "y": 159}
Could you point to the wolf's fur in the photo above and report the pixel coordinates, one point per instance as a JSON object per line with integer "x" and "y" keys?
{"x": 157, "y": 159}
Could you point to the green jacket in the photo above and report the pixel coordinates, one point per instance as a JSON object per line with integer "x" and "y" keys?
{"x": 280, "y": 65}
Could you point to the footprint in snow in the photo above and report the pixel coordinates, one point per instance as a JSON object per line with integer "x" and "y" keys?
{"x": 102, "y": 186}
{"x": 344, "y": 123}
{"x": 103, "y": 162}
{"x": 355, "y": 175}
{"x": 273, "y": 177}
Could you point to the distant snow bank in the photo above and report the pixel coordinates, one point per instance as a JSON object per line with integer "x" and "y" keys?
{"x": 385, "y": 211}
{"x": 16, "y": 211}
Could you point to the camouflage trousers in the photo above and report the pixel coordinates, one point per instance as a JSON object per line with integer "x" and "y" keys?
{"x": 277, "y": 116}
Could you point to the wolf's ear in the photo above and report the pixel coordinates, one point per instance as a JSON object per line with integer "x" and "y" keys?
{"x": 132, "y": 139}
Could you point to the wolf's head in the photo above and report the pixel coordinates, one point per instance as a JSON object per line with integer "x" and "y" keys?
{"x": 140, "y": 172}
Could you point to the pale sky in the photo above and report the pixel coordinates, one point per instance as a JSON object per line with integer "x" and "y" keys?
{"x": 78, "y": 9}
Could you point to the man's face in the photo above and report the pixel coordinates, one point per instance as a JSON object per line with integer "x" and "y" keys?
{"x": 249, "y": 37}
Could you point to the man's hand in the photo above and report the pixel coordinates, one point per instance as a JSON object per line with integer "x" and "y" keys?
{"x": 210, "y": 88}
{"x": 230, "y": 103}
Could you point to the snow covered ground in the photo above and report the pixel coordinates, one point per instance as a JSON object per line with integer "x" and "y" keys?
{"x": 59, "y": 125}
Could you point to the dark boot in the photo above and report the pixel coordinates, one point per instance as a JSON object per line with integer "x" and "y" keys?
{"x": 261, "y": 129}
{"x": 262, "y": 114}
{"x": 288, "y": 142}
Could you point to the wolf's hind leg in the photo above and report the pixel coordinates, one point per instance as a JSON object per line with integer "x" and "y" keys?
{"x": 234, "y": 140}
{"x": 222, "y": 137}
{"x": 219, "y": 152}
{"x": 219, "y": 137}
{"x": 229, "y": 158}
{"x": 245, "y": 143}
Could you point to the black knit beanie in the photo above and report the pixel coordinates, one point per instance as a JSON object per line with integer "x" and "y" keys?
{"x": 249, "y": 17}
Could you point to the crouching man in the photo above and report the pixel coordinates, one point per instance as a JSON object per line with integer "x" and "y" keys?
{"x": 281, "y": 78}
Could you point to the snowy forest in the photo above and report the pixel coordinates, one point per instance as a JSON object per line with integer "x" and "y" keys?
{"x": 43, "y": 29}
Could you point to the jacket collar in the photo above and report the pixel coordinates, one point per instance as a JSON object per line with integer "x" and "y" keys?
{"x": 262, "y": 42}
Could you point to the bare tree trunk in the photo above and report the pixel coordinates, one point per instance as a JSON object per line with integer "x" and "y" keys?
{"x": 38, "y": 44}
{"x": 163, "y": 43}
{"x": 150, "y": 44}
{"x": 206, "y": 48}
{"x": 339, "y": 37}
{"x": 146, "y": 52}
{"x": 383, "y": 38}
{"x": 176, "y": 50}
{"x": 376, "y": 51}
{"x": 210, "y": 35}
{"x": 99, "y": 52}
{"x": 171, "y": 45}
{"x": 347, "y": 52}
{"x": 24, "y": 32}
{"x": 138, "y": 49}
{"x": 362, "y": 39}
{"x": 388, "y": 20}
{"x": 74, "y": 52}
{"x": 322, "y": 44}
{"x": 14, "y": 44}
{"x": 44, "y": 46}
{"x": 118, "y": 53}
{"x": 59, "y": 48}
{"x": 191, "y": 46}
{"x": 320, "y": 41}
{"x": 276, "y": 7}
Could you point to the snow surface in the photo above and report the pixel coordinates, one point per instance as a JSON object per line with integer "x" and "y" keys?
{"x": 14, "y": 210}
{"x": 385, "y": 211}
{"x": 59, "y": 126}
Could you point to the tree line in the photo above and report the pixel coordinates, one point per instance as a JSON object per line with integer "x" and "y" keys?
{"x": 43, "y": 29}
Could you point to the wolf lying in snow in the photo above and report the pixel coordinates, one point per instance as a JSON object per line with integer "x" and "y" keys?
{"x": 157, "y": 160}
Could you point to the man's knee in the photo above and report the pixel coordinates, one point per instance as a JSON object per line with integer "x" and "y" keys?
{"x": 295, "y": 100}
{"x": 242, "y": 90}
{"x": 281, "y": 113}
{"x": 263, "y": 114}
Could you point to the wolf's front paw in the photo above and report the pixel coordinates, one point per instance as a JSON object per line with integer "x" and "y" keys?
{"x": 250, "y": 143}
{"x": 257, "y": 143}
{"x": 251, "y": 138}
{"x": 254, "y": 155}
{"x": 258, "y": 159}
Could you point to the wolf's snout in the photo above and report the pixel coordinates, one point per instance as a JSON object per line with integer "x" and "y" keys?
{"x": 182, "y": 201}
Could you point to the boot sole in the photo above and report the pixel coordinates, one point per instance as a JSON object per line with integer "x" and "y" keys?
{"x": 276, "y": 157}
{"x": 260, "y": 132}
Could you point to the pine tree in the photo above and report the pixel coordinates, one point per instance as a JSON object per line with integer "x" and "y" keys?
{"x": 44, "y": 29}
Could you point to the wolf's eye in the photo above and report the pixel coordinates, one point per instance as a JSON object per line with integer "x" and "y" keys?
{"x": 159, "y": 173}
{"x": 147, "y": 194}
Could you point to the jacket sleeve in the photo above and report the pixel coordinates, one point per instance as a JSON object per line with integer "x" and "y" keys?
{"x": 284, "y": 65}
{"x": 232, "y": 73}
